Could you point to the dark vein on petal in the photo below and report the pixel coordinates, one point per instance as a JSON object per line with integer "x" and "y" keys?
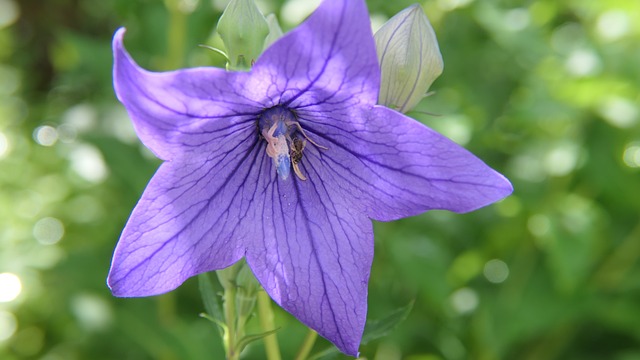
{"x": 326, "y": 61}
{"x": 312, "y": 242}
{"x": 191, "y": 221}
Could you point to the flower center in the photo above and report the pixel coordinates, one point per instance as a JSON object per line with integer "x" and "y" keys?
{"x": 280, "y": 128}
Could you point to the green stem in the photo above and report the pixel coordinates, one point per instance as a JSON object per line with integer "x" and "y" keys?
{"x": 266, "y": 323}
{"x": 230, "y": 318}
{"x": 307, "y": 345}
{"x": 177, "y": 34}
{"x": 167, "y": 309}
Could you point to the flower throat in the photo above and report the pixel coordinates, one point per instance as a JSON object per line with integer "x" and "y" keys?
{"x": 280, "y": 128}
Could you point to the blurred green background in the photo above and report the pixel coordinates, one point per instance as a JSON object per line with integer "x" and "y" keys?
{"x": 547, "y": 92}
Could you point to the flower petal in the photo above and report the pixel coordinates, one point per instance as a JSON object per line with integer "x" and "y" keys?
{"x": 393, "y": 166}
{"x": 314, "y": 259}
{"x": 173, "y": 112}
{"x": 192, "y": 218}
{"x": 329, "y": 57}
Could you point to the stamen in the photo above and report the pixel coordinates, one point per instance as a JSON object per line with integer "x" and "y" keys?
{"x": 297, "y": 124}
{"x": 278, "y": 150}
{"x": 278, "y": 126}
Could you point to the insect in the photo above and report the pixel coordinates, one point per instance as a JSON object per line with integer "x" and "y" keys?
{"x": 297, "y": 146}
{"x": 280, "y": 129}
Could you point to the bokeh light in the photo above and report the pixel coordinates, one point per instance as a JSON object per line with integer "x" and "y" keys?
{"x": 561, "y": 160}
{"x": 464, "y": 300}
{"x": 48, "y": 231}
{"x": 8, "y": 325}
{"x": 10, "y": 77}
{"x": 583, "y": 62}
{"x": 294, "y": 11}
{"x": 45, "y": 135}
{"x": 67, "y": 133}
{"x": 613, "y": 24}
{"x": 4, "y": 145}
{"x": 9, "y": 12}
{"x": 539, "y": 225}
{"x": 449, "y": 5}
{"x": 631, "y": 155}
{"x": 93, "y": 312}
{"x": 620, "y": 112}
{"x": 517, "y": 19}
{"x": 10, "y": 287}
{"x": 28, "y": 204}
{"x": 496, "y": 271}
{"x": 87, "y": 162}
{"x": 81, "y": 117}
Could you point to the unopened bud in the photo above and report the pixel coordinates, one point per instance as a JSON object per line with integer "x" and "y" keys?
{"x": 243, "y": 30}
{"x": 409, "y": 57}
{"x": 248, "y": 288}
{"x": 227, "y": 276}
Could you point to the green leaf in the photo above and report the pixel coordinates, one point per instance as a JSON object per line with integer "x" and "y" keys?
{"x": 211, "y": 300}
{"x": 223, "y": 327}
{"x": 326, "y": 354}
{"x": 375, "y": 329}
{"x": 251, "y": 338}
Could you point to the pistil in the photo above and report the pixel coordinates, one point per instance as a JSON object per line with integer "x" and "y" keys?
{"x": 279, "y": 127}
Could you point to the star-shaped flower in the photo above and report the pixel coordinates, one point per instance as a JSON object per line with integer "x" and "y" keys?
{"x": 284, "y": 165}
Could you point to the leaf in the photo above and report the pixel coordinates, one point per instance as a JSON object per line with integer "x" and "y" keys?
{"x": 326, "y": 354}
{"x": 373, "y": 330}
{"x": 251, "y": 338}
{"x": 211, "y": 300}
{"x": 223, "y": 326}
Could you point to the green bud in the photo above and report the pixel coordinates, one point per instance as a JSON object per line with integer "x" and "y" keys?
{"x": 409, "y": 57}
{"x": 243, "y": 30}
{"x": 275, "y": 32}
{"x": 227, "y": 276}
{"x": 248, "y": 288}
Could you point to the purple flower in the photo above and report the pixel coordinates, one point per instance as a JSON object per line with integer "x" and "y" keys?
{"x": 284, "y": 165}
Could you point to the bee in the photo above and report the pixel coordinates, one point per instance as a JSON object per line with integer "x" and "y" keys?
{"x": 297, "y": 146}
{"x": 286, "y": 141}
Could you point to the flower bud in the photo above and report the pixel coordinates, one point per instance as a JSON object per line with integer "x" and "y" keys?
{"x": 409, "y": 57}
{"x": 227, "y": 276}
{"x": 247, "y": 292}
{"x": 243, "y": 30}
{"x": 275, "y": 32}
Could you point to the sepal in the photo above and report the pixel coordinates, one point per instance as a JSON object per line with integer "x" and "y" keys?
{"x": 243, "y": 30}
{"x": 275, "y": 31}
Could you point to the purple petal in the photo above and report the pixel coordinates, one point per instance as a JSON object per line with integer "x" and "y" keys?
{"x": 315, "y": 257}
{"x": 330, "y": 57}
{"x": 393, "y": 166}
{"x": 218, "y": 197}
{"x": 308, "y": 249}
{"x": 195, "y": 216}
{"x": 175, "y": 112}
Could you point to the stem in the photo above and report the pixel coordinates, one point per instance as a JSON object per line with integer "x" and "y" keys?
{"x": 177, "y": 34}
{"x": 266, "y": 323}
{"x": 230, "y": 318}
{"x": 167, "y": 309}
{"x": 307, "y": 345}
